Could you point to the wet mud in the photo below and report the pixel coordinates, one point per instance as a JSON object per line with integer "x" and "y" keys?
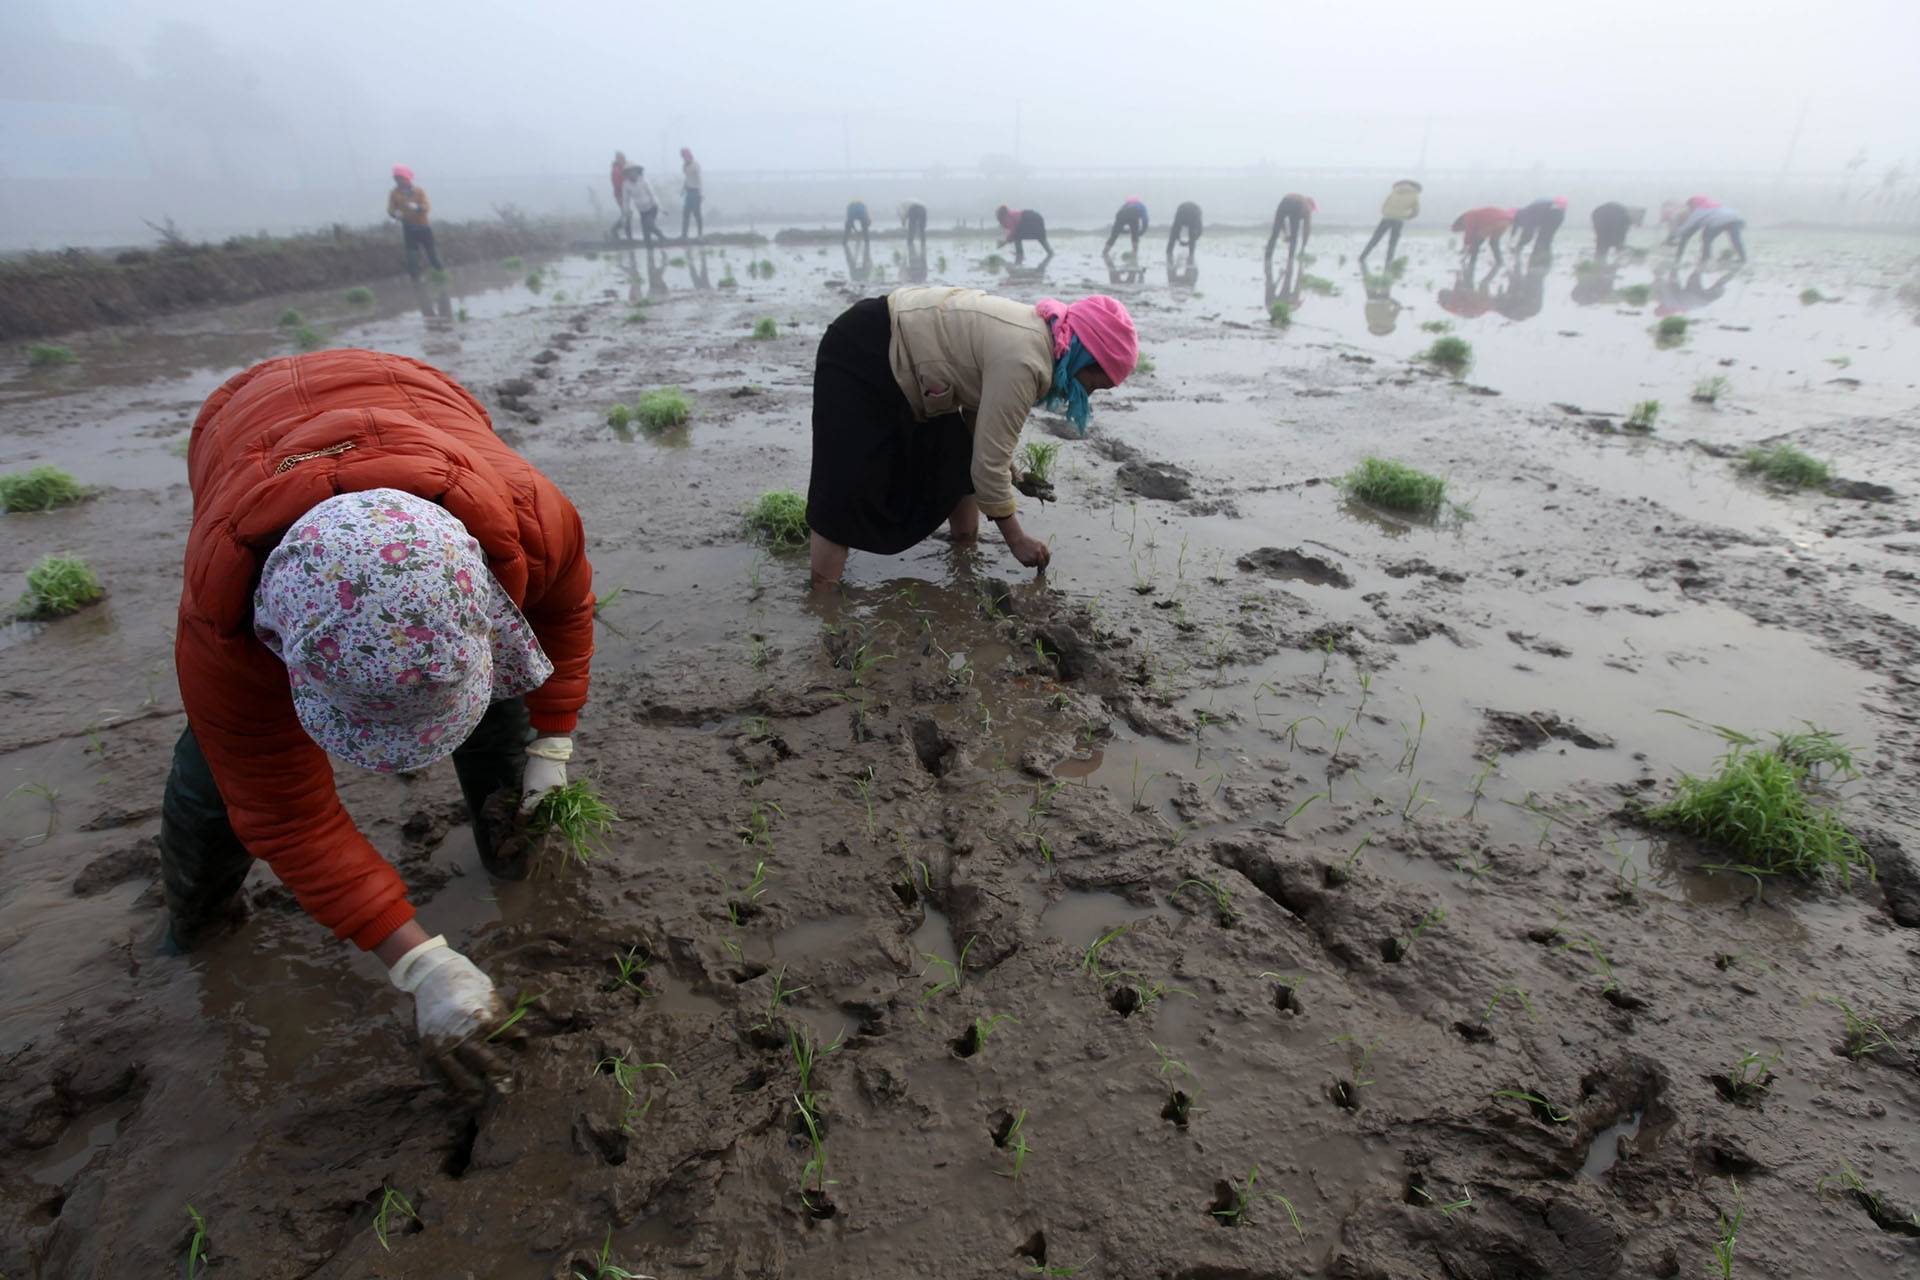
{"x": 1260, "y": 892}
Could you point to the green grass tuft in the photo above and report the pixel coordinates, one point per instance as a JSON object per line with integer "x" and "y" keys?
{"x": 664, "y": 407}
{"x": 1634, "y": 295}
{"x": 779, "y": 519}
{"x": 1395, "y": 486}
{"x": 39, "y": 488}
{"x": 1280, "y": 313}
{"x": 1144, "y": 364}
{"x": 1037, "y": 458}
{"x": 1437, "y": 326}
{"x": 1670, "y": 332}
{"x": 359, "y": 296}
{"x": 1787, "y": 467}
{"x": 1709, "y": 390}
{"x": 992, "y": 262}
{"x": 535, "y": 280}
{"x": 1756, "y": 806}
{"x": 1810, "y": 296}
{"x": 620, "y": 416}
{"x": 1319, "y": 284}
{"x": 580, "y": 816}
{"x": 1396, "y": 268}
{"x": 765, "y": 329}
{"x": 307, "y": 338}
{"x": 1453, "y": 354}
{"x": 514, "y": 263}
{"x": 289, "y": 318}
{"x": 1643, "y": 415}
{"x": 59, "y": 585}
{"x": 44, "y": 355}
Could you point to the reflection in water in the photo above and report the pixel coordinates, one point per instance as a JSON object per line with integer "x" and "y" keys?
{"x": 1382, "y": 310}
{"x": 1466, "y": 298}
{"x": 1028, "y": 275}
{"x": 860, "y": 264}
{"x": 1118, "y": 274}
{"x": 1593, "y": 285}
{"x": 1182, "y": 279}
{"x": 1693, "y": 294}
{"x": 1358, "y": 511}
{"x": 1525, "y": 291}
{"x": 435, "y": 304}
{"x": 1285, "y": 288}
{"x": 697, "y": 269}
{"x": 915, "y": 270}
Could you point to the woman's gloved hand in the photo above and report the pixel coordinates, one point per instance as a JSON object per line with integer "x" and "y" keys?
{"x": 546, "y": 769}
{"x": 455, "y": 1007}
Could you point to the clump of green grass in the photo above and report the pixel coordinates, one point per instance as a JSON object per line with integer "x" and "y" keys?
{"x": 1437, "y": 326}
{"x": 1395, "y": 486}
{"x": 307, "y": 338}
{"x": 1670, "y": 332}
{"x": 514, "y": 263}
{"x": 358, "y": 296}
{"x": 992, "y": 262}
{"x": 1395, "y": 268}
{"x": 1810, "y": 296}
{"x": 289, "y": 318}
{"x": 44, "y": 355}
{"x": 765, "y": 329}
{"x": 535, "y": 280}
{"x": 591, "y": 255}
{"x": 1787, "y": 467}
{"x": 1643, "y": 415}
{"x": 39, "y": 488}
{"x": 679, "y": 260}
{"x": 1634, "y": 295}
{"x": 1454, "y": 354}
{"x": 439, "y": 275}
{"x": 1037, "y": 457}
{"x": 1709, "y": 390}
{"x": 779, "y": 519}
{"x": 664, "y": 407}
{"x": 579, "y": 814}
{"x": 727, "y": 281}
{"x": 1280, "y": 313}
{"x": 620, "y": 416}
{"x": 59, "y": 585}
{"x": 1757, "y": 806}
{"x": 1320, "y": 284}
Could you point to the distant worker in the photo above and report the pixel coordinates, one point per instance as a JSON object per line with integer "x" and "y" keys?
{"x": 1401, "y": 206}
{"x": 918, "y": 403}
{"x": 620, "y": 168}
{"x": 857, "y": 216}
{"x": 408, "y": 203}
{"x": 690, "y": 192}
{"x": 913, "y": 216}
{"x": 1610, "y": 223}
{"x": 1711, "y": 220}
{"x": 1186, "y": 222}
{"x": 1130, "y": 220}
{"x": 1295, "y": 214}
{"x": 1022, "y": 225}
{"x": 1543, "y": 218}
{"x": 1484, "y": 225}
{"x": 636, "y": 197}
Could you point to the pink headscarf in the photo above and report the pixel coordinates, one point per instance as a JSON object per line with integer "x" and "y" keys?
{"x": 1560, "y": 202}
{"x": 1701, "y": 202}
{"x": 401, "y": 171}
{"x": 1103, "y": 327}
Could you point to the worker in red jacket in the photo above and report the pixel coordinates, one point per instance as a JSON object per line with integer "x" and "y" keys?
{"x": 372, "y": 575}
{"x": 1483, "y": 225}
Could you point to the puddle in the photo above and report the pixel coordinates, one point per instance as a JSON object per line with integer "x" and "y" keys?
{"x": 1607, "y": 1145}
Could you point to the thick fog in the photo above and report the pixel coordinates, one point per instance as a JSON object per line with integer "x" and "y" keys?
{"x": 235, "y": 117}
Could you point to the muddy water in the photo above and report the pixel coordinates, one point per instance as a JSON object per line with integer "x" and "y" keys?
{"x": 960, "y": 818}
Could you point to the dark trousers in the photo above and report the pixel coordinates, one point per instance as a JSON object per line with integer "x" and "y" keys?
{"x": 866, "y": 230}
{"x": 1183, "y": 226}
{"x": 917, "y": 228}
{"x": 203, "y": 863}
{"x": 1390, "y": 229}
{"x": 690, "y": 214}
{"x": 418, "y": 240}
{"x": 1130, "y": 222}
{"x": 1290, "y": 219}
{"x": 1732, "y": 233}
{"x": 1030, "y": 227}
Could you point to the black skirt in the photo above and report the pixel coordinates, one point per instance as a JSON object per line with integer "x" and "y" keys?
{"x": 881, "y": 481}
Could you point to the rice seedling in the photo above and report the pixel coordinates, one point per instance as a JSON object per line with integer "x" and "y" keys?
{"x": 1318, "y": 284}
{"x": 974, "y": 1038}
{"x": 513, "y": 263}
{"x": 40, "y": 488}
{"x": 1447, "y": 1210}
{"x": 1670, "y": 332}
{"x": 1756, "y": 805}
{"x": 580, "y": 815}
{"x": 520, "y": 1008}
{"x": 196, "y": 1243}
{"x": 1643, "y": 415}
{"x": 1502, "y": 994}
{"x": 636, "y": 316}
{"x": 664, "y": 407}
{"x": 1851, "y": 1183}
{"x": 956, "y": 971}
{"x": 536, "y": 280}
{"x": 289, "y": 318}
{"x": 1090, "y": 959}
{"x": 58, "y": 586}
{"x": 1287, "y": 992}
{"x": 461, "y": 315}
{"x": 1541, "y": 1108}
{"x": 604, "y": 1267}
{"x": 1437, "y": 326}
{"x": 679, "y": 260}
{"x": 765, "y": 329}
{"x": 1865, "y": 1037}
{"x": 779, "y": 519}
{"x": 47, "y": 355}
{"x": 814, "y": 1197}
{"x": 358, "y": 296}
{"x": 1746, "y": 1077}
{"x": 1346, "y": 1093}
{"x": 1145, "y": 364}
{"x": 807, "y": 1054}
{"x": 1037, "y": 459}
{"x": 392, "y": 1203}
{"x": 1221, "y": 895}
{"x": 1140, "y": 786}
{"x": 1634, "y": 295}
{"x": 1382, "y": 482}
{"x": 620, "y": 417}
{"x": 1400, "y": 948}
{"x": 1729, "y": 1230}
{"x": 1454, "y": 354}
{"x": 1810, "y": 296}
{"x": 631, "y": 968}
{"x": 307, "y": 338}
{"x": 1787, "y": 467}
{"x": 1169, "y": 1065}
{"x": 1160, "y": 990}
{"x": 1709, "y": 390}
{"x": 1234, "y": 1198}
{"x": 1396, "y": 267}
{"x": 1280, "y": 314}
{"x": 1015, "y": 1141}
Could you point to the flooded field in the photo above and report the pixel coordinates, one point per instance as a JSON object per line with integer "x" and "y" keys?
{"x": 1194, "y": 909}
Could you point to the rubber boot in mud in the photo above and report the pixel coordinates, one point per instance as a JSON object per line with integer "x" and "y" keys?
{"x": 203, "y": 865}
{"x": 490, "y": 764}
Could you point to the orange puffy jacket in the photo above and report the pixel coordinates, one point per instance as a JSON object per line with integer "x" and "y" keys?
{"x": 267, "y": 447}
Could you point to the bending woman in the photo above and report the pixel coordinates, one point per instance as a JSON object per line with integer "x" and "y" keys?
{"x": 1022, "y": 225}
{"x": 918, "y": 402}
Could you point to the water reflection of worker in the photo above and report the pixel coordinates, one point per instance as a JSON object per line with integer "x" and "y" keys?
{"x": 1676, "y": 296}
{"x": 697, "y": 273}
{"x": 1525, "y": 291}
{"x": 1181, "y": 277}
{"x": 1610, "y": 223}
{"x": 372, "y": 576}
{"x": 1293, "y": 216}
{"x": 1382, "y": 310}
{"x": 857, "y": 216}
{"x": 1400, "y": 207}
{"x": 1484, "y": 225}
{"x": 859, "y": 265}
{"x": 1131, "y": 220}
{"x": 692, "y": 190}
{"x": 913, "y": 216}
{"x": 918, "y": 403}
{"x": 1186, "y": 224}
{"x": 1542, "y": 219}
{"x": 1022, "y": 225}
{"x": 1465, "y": 298}
{"x": 1282, "y": 288}
{"x": 914, "y": 270}
{"x": 409, "y": 205}
{"x": 1711, "y": 221}
{"x": 1593, "y": 283}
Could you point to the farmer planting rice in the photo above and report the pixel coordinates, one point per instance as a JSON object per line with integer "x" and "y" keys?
{"x": 371, "y": 574}
{"x": 918, "y": 403}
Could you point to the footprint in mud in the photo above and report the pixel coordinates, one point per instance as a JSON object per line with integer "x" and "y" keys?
{"x": 1179, "y": 1108}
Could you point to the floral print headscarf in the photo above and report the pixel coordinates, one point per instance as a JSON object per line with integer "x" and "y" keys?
{"x": 395, "y": 634}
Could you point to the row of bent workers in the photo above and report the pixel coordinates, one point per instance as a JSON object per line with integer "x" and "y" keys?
{"x": 373, "y": 575}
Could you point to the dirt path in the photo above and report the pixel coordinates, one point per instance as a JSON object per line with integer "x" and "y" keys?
{"x": 1265, "y": 832}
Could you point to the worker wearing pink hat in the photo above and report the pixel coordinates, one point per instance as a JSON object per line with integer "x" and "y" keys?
{"x": 408, "y": 204}
{"x": 1543, "y": 218}
{"x": 1294, "y": 215}
{"x": 1131, "y": 220}
{"x": 1484, "y": 225}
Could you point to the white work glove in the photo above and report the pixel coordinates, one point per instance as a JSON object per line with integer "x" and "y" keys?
{"x": 546, "y": 769}
{"x": 453, "y": 1004}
